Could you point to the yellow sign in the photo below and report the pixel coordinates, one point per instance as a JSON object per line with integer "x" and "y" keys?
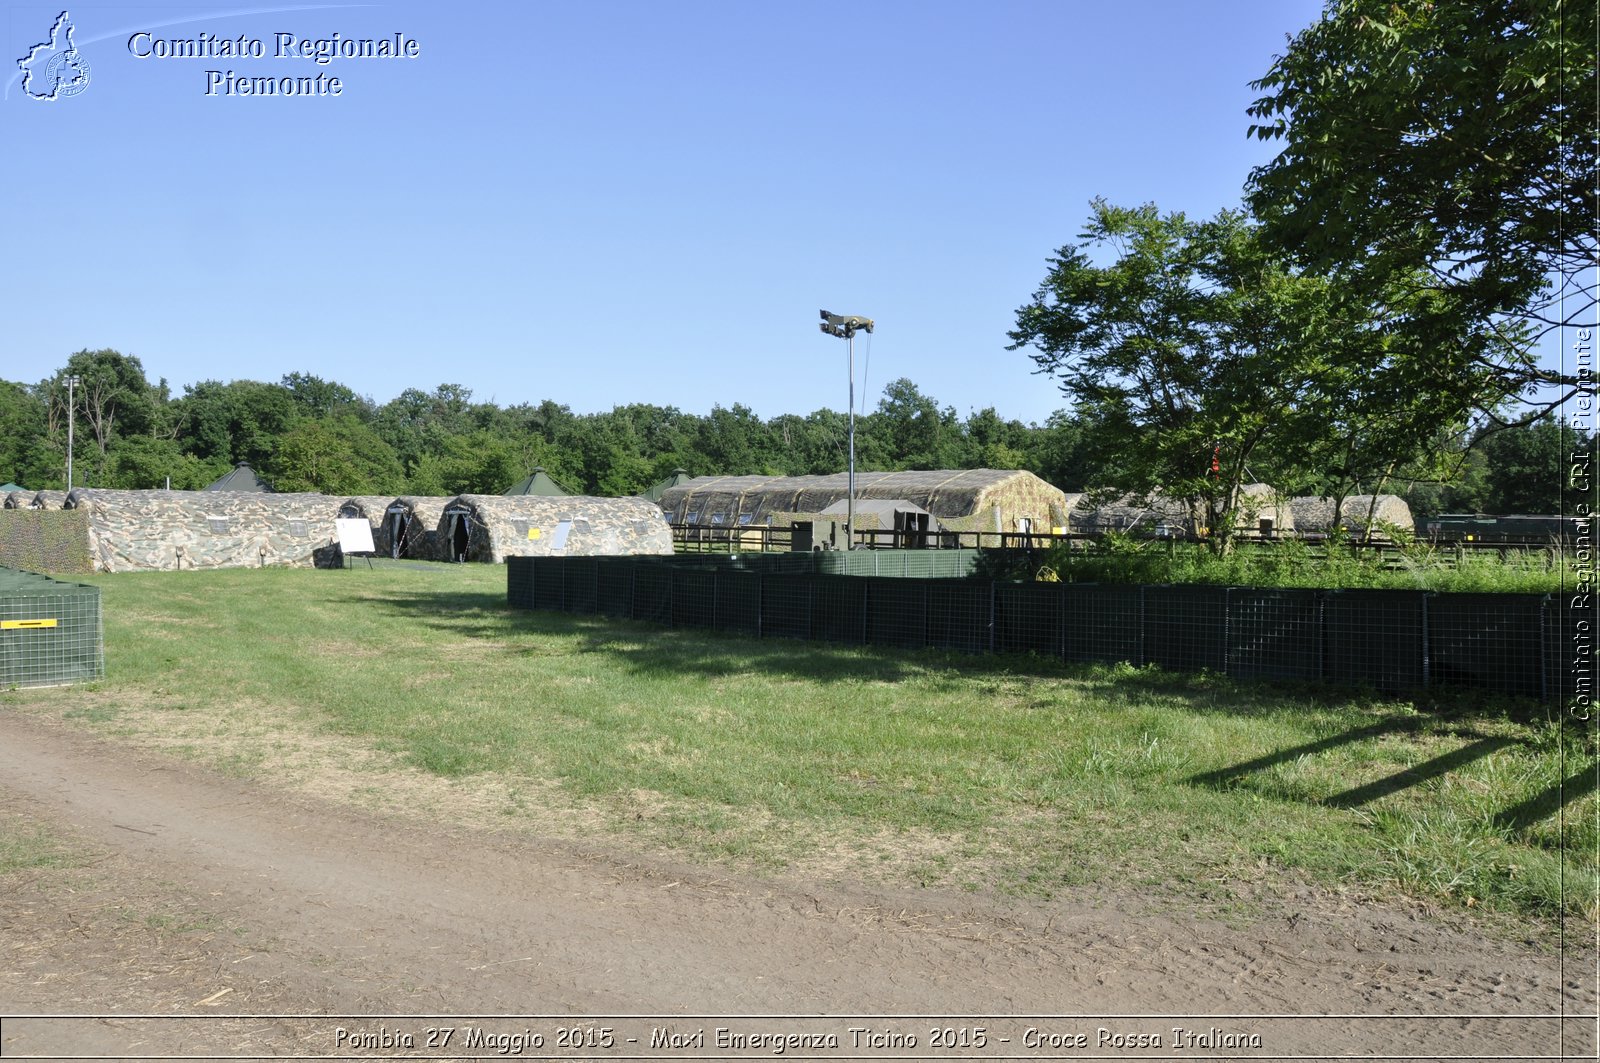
{"x": 12, "y": 625}
{"x": 534, "y": 533}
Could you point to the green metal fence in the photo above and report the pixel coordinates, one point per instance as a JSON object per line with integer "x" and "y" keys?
{"x": 1532, "y": 645}
{"x": 50, "y": 632}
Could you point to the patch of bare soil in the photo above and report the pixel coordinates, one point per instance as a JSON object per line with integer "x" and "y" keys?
{"x": 209, "y": 896}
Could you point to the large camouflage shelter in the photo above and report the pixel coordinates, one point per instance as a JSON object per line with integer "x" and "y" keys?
{"x": 494, "y": 527}
{"x": 1257, "y": 502}
{"x": 1312, "y": 514}
{"x": 981, "y": 500}
{"x": 133, "y": 531}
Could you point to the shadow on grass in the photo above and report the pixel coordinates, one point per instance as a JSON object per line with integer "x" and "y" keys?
{"x": 1546, "y": 803}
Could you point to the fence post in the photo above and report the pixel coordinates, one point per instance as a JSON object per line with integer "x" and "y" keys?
{"x": 1544, "y": 649}
{"x": 633, "y": 591}
{"x": 1322, "y": 634}
{"x": 993, "y": 584}
{"x": 1143, "y": 652}
{"x": 866, "y": 610}
{"x": 1227, "y": 630}
{"x": 761, "y": 584}
{"x": 1427, "y": 643}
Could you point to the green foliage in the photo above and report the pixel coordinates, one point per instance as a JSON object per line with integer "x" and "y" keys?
{"x": 341, "y": 456}
{"x": 1187, "y": 354}
{"x": 1450, "y": 140}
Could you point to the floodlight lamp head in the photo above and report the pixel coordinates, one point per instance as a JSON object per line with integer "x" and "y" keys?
{"x": 844, "y": 326}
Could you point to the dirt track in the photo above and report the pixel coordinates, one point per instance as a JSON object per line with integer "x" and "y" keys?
{"x": 213, "y": 896}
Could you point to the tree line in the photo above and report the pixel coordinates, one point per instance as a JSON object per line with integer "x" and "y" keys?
{"x": 1370, "y": 320}
{"x": 305, "y": 433}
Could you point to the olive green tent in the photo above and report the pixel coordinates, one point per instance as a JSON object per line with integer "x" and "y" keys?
{"x": 679, "y": 476}
{"x": 538, "y": 482}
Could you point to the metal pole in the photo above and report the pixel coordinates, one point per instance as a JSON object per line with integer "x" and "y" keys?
{"x": 72, "y": 382}
{"x": 850, "y": 502}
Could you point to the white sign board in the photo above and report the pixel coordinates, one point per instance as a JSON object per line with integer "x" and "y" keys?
{"x": 355, "y": 535}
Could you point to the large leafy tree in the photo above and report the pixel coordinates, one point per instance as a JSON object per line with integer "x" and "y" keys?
{"x": 1180, "y": 353}
{"x": 1450, "y": 145}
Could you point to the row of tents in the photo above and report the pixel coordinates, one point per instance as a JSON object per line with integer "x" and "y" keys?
{"x": 172, "y": 530}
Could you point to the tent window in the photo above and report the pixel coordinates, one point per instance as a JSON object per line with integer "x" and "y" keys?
{"x": 562, "y": 530}
{"x": 218, "y": 525}
{"x": 716, "y": 518}
{"x": 521, "y": 528}
{"x": 297, "y": 528}
{"x": 693, "y": 517}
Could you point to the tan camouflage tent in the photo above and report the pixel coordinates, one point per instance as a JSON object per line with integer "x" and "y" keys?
{"x": 1313, "y": 514}
{"x": 986, "y": 500}
{"x": 494, "y": 527}
{"x": 134, "y": 531}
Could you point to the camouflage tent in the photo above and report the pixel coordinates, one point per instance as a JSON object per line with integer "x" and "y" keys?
{"x": 494, "y": 527}
{"x": 1158, "y": 513}
{"x": 411, "y": 528}
{"x": 1385, "y": 511}
{"x": 985, "y": 500}
{"x": 133, "y": 531}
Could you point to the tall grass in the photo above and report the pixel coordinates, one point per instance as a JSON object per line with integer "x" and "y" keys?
{"x": 1295, "y": 563}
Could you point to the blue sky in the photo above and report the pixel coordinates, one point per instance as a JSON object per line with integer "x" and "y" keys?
{"x": 606, "y": 203}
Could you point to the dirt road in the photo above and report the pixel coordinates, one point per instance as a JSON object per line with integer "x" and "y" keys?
{"x": 212, "y": 896}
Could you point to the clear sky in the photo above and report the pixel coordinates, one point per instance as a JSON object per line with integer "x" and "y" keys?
{"x": 601, "y": 203}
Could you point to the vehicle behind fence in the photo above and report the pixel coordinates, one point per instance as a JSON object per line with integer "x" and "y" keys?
{"x": 1531, "y": 645}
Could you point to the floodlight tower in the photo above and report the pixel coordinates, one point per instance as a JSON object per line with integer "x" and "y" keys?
{"x": 845, "y": 327}
{"x": 72, "y": 386}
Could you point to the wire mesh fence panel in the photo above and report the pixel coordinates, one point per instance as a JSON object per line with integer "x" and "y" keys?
{"x": 652, "y": 593}
{"x": 786, "y": 603}
{"x": 614, "y": 587}
{"x": 693, "y": 597}
{"x": 1486, "y": 640}
{"x": 519, "y": 582}
{"x": 1027, "y": 618}
{"x": 1569, "y": 651}
{"x": 1374, "y": 638}
{"x": 581, "y": 574}
{"x": 1186, "y": 628}
{"x": 1101, "y": 624}
{"x": 1529, "y": 645}
{"x": 50, "y": 636}
{"x": 549, "y": 582}
{"x": 1274, "y": 634}
{"x": 959, "y": 614}
{"x": 738, "y": 602}
{"x": 839, "y": 609}
{"x": 897, "y": 612}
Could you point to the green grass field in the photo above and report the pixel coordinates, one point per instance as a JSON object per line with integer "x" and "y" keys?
{"x": 1013, "y": 774}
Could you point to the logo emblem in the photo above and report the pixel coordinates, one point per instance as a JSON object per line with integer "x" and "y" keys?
{"x": 55, "y": 68}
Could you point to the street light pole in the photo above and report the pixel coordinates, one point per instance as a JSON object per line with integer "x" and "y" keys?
{"x": 72, "y": 387}
{"x": 845, "y": 327}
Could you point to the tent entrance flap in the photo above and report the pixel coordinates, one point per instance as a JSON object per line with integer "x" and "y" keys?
{"x": 398, "y": 519}
{"x": 458, "y": 532}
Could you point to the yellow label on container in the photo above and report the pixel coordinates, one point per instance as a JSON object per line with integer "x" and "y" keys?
{"x": 11, "y": 625}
